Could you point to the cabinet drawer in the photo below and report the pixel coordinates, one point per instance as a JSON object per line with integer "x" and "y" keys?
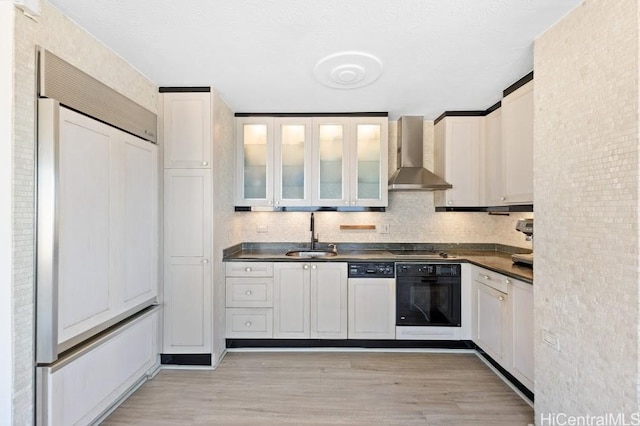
{"x": 249, "y": 322}
{"x": 249, "y": 269}
{"x": 492, "y": 279}
{"x": 249, "y": 292}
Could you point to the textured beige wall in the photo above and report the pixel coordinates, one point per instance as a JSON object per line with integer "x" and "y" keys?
{"x": 64, "y": 38}
{"x": 411, "y": 218}
{"x": 586, "y": 191}
{"x": 223, "y": 154}
{"x": 6, "y": 149}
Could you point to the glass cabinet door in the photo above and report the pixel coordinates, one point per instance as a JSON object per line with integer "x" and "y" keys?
{"x": 293, "y": 161}
{"x": 331, "y": 136}
{"x": 255, "y": 158}
{"x": 369, "y": 176}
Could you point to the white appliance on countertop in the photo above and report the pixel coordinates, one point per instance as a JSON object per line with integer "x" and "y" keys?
{"x": 526, "y": 227}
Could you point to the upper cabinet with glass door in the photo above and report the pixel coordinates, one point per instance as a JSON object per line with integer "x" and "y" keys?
{"x": 305, "y": 161}
{"x": 254, "y": 161}
{"x": 369, "y": 176}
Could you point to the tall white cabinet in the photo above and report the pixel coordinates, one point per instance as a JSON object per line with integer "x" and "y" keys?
{"x": 188, "y": 219}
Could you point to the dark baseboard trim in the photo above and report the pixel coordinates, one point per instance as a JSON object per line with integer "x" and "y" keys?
{"x": 349, "y": 343}
{"x": 522, "y": 388}
{"x": 185, "y": 359}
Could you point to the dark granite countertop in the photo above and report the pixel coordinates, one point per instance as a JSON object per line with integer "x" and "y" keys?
{"x": 495, "y": 257}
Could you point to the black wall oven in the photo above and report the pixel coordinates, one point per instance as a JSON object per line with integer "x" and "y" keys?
{"x": 428, "y": 294}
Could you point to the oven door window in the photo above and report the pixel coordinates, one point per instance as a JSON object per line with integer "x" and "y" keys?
{"x": 428, "y": 302}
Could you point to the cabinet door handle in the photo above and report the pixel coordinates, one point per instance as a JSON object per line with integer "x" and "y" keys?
{"x": 486, "y": 277}
{"x": 204, "y": 163}
{"x": 314, "y": 266}
{"x": 205, "y": 261}
{"x": 305, "y": 267}
{"x": 449, "y": 202}
{"x": 503, "y": 198}
{"x": 248, "y": 323}
{"x": 507, "y": 281}
{"x": 346, "y": 203}
{"x": 248, "y": 269}
{"x": 501, "y": 298}
{"x": 248, "y": 292}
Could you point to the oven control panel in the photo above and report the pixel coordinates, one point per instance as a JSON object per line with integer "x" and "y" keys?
{"x": 428, "y": 270}
{"x": 371, "y": 270}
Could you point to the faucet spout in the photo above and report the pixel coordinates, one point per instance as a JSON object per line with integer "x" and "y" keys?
{"x": 314, "y": 240}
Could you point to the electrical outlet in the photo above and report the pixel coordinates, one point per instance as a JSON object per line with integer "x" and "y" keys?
{"x": 384, "y": 228}
{"x": 262, "y": 229}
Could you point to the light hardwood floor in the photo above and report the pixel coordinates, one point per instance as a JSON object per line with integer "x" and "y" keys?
{"x": 323, "y": 388}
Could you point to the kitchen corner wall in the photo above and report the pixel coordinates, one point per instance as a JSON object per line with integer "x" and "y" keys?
{"x": 586, "y": 190}
{"x": 53, "y": 31}
{"x": 411, "y": 218}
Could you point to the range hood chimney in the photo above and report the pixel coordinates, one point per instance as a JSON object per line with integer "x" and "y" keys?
{"x": 411, "y": 175}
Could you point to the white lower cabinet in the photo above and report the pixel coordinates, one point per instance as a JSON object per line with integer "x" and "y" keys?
{"x": 502, "y": 313}
{"x": 80, "y": 387}
{"x": 249, "y": 300}
{"x": 522, "y": 362}
{"x": 372, "y": 308}
{"x": 310, "y": 300}
{"x": 491, "y": 313}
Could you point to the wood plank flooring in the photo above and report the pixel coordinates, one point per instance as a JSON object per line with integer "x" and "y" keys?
{"x": 328, "y": 388}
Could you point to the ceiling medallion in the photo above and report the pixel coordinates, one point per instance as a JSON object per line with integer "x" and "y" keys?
{"x": 348, "y": 70}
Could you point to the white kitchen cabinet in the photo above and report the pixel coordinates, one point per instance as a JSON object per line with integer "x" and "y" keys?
{"x": 349, "y": 165}
{"x": 187, "y": 254}
{"x": 503, "y": 322}
{"x": 491, "y": 328}
{"x": 328, "y": 300}
{"x": 372, "y": 308}
{"x": 494, "y": 194}
{"x": 310, "y": 300}
{"x": 305, "y": 161}
{"x": 459, "y": 155}
{"x": 249, "y": 300}
{"x": 187, "y": 129}
{"x": 522, "y": 362}
{"x": 291, "y": 300}
{"x": 517, "y": 146}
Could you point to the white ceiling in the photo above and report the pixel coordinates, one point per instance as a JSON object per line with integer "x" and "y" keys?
{"x": 260, "y": 55}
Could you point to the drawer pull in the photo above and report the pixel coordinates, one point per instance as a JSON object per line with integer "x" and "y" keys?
{"x": 205, "y": 261}
{"x": 204, "y": 163}
{"x": 248, "y": 292}
{"x": 248, "y": 269}
{"x": 486, "y": 277}
{"x": 507, "y": 281}
{"x": 501, "y": 298}
{"x": 248, "y": 323}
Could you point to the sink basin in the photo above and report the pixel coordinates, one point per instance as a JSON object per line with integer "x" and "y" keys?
{"x": 311, "y": 253}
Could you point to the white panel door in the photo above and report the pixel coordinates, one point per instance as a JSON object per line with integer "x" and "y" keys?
{"x": 86, "y": 171}
{"x": 187, "y": 278}
{"x": 494, "y": 192}
{"x": 140, "y": 189}
{"x": 517, "y": 145}
{"x": 81, "y": 390}
{"x": 372, "y": 308}
{"x": 187, "y": 130}
{"x": 490, "y": 332}
{"x": 329, "y": 300}
{"x": 522, "y": 365}
{"x": 291, "y": 292}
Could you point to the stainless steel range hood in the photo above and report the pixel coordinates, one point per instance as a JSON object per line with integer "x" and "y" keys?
{"x": 411, "y": 175}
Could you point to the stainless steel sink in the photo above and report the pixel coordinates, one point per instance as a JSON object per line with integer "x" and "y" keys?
{"x": 312, "y": 253}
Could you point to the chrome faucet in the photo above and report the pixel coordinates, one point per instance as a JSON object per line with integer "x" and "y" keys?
{"x": 314, "y": 240}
